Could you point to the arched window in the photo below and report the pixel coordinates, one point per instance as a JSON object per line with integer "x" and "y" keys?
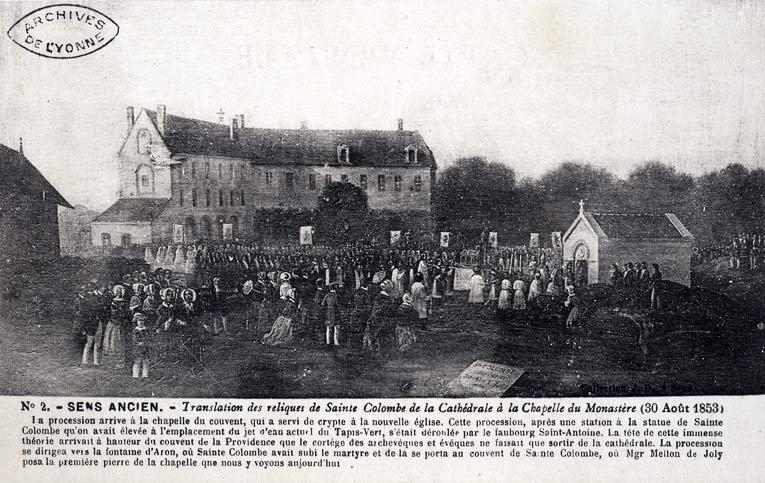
{"x": 219, "y": 221}
{"x": 143, "y": 139}
{"x": 232, "y": 198}
{"x": 241, "y": 197}
{"x": 144, "y": 179}
{"x": 205, "y": 228}
{"x": 234, "y": 220}
{"x": 194, "y": 198}
{"x": 207, "y": 197}
{"x": 220, "y": 198}
{"x": 106, "y": 239}
{"x": 189, "y": 228}
{"x": 180, "y": 197}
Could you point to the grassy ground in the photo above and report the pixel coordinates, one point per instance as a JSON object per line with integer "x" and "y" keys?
{"x": 692, "y": 349}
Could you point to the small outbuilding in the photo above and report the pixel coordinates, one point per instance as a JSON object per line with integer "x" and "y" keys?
{"x": 596, "y": 241}
{"x": 28, "y": 210}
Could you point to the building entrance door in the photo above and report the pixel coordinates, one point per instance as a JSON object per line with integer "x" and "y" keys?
{"x": 581, "y": 264}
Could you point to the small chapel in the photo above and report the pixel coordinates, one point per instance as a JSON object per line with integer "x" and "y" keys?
{"x": 596, "y": 241}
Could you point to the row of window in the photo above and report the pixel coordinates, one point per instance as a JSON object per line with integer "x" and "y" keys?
{"x": 290, "y": 178}
{"x": 238, "y": 198}
{"x": 240, "y": 171}
{"x": 235, "y": 198}
{"x": 126, "y": 240}
{"x": 289, "y": 181}
{"x": 234, "y": 172}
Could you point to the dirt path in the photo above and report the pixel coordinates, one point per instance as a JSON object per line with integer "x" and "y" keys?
{"x": 42, "y": 359}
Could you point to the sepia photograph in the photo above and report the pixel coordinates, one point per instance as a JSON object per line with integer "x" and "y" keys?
{"x": 363, "y": 199}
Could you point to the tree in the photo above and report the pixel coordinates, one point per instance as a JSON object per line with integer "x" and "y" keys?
{"x": 346, "y": 197}
{"x": 660, "y": 179}
{"x": 731, "y": 201}
{"x": 474, "y": 194}
{"x": 342, "y": 213}
{"x": 571, "y": 181}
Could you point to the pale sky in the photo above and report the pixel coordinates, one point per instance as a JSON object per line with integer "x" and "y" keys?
{"x": 530, "y": 84}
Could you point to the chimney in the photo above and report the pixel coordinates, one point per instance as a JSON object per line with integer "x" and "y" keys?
{"x": 241, "y": 121}
{"x": 21, "y": 146}
{"x": 234, "y": 130}
{"x": 400, "y": 124}
{"x": 303, "y": 124}
{"x": 161, "y": 118}
{"x": 130, "y": 118}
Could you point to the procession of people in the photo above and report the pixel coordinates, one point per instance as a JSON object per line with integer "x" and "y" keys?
{"x": 747, "y": 250}
{"x": 374, "y": 300}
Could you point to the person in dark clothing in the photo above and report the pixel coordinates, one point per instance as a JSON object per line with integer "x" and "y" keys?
{"x": 361, "y": 308}
{"x": 644, "y": 281}
{"x": 655, "y": 284}
{"x": 617, "y": 277}
{"x": 332, "y": 317}
{"x": 140, "y": 347}
{"x": 217, "y": 302}
{"x": 630, "y": 283}
{"x": 407, "y": 317}
{"x": 95, "y": 311}
{"x": 382, "y": 319}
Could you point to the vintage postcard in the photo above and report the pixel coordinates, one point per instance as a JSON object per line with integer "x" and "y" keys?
{"x": 368, "y": 205}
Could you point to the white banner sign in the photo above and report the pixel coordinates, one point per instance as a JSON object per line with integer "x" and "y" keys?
{"x": 462, "y": 278}
{"x": 493, "y": 239}
{"x": 306, "y": 235}
{"x": 228, "y": 231}
{"x": 177, "y": 233}
{"x": 534, "y": 241}
{"x": 445, "y": 236}
{"x": 395, "y": 236}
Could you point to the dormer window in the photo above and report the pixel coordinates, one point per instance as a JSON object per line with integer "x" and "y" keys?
{"x": 411, "y": 154}
{"x": 343, "y": 154}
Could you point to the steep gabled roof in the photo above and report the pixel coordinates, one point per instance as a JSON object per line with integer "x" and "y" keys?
{"x": 293, "y": 146}
{"x": 18, "y": 176}
{"x": 640, "y": 225}
{"x": 132, "y": 210}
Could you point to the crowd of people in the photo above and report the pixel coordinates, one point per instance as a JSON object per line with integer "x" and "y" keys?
{"x": 376, "y": 300}
{"x": 636, "y": 285}
{"x": 745, "y": 250}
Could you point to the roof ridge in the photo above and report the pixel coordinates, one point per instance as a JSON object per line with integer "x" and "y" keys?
{"x": 368, "y": 147}
{"x": 28, "y": 174}
{"x": 289, "y": 129}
